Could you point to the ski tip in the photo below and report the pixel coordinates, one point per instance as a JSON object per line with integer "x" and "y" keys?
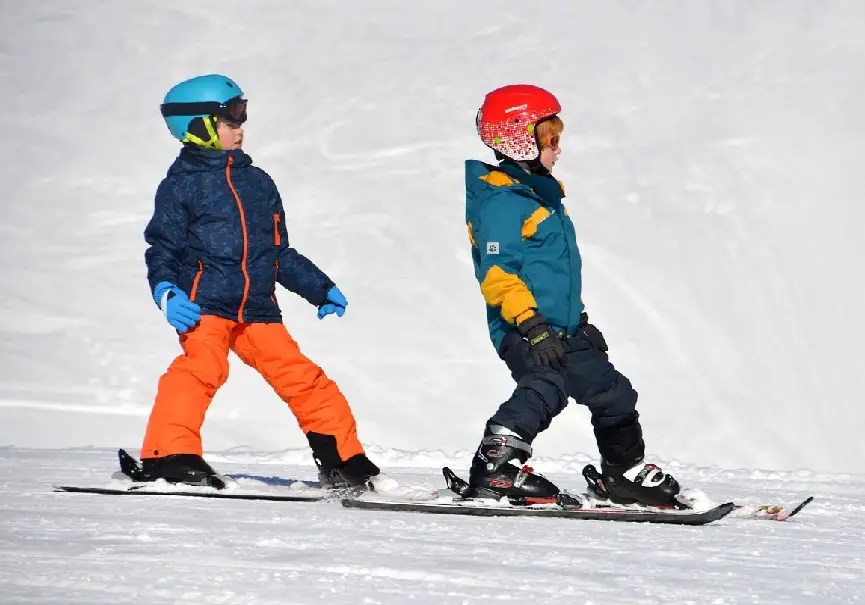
{"x": 773, "y": 512}
{"x": 800, "y": 506}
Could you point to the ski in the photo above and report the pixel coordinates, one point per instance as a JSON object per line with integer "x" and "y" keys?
{"x": 134, "y": 482}
{"x": 454, "y": 501}
{"x": 692, "y": 508}
{"x": 192, "y": 492}
{"x": 460, "y": 506}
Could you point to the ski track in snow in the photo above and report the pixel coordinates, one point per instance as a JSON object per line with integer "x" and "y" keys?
{"x": 76, "y": 548}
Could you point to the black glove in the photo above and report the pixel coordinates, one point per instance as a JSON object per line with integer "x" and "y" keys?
{"x": 545, "y": 346}
{"x": 592, "y": 333}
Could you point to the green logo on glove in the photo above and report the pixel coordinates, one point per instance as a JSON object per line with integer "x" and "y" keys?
{"x": 539, "y": 338}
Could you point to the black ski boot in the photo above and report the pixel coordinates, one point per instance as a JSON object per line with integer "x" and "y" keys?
{"x": 644, "y": 483}
{"x": 190, "y": 469}
{"x": 336, "y": 473}
{"x": 494, "y": 476}
{"x": 354, "y": 472}
{"x": 624, "y": 475}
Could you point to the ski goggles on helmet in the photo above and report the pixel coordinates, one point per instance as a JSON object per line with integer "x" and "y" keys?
{"x": 233, "y": 110}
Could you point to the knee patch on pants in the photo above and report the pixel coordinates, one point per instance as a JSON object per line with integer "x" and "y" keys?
{"x": 538, "y": 398}
{"x": 210, "y": 369}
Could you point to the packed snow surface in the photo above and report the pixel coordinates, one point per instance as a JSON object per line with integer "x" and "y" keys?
{"x": 59, "y": 548}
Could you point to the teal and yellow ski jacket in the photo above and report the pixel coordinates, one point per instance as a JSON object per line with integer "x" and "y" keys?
{"x": 524, "y": 250}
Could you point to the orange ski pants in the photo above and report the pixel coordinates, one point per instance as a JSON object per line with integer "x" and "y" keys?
{"x": 188, "y": 386}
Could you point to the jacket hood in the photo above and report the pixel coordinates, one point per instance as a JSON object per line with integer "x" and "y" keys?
{"x": 480, "y": 184}
{"x": 476, "y": 183}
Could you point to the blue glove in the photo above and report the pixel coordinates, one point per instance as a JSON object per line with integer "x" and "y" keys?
{"x": 335, "y": 303}
{"x": 179, "y": 311}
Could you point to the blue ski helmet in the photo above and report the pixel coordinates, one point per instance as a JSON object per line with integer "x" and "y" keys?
{"x": 201, "y": 97}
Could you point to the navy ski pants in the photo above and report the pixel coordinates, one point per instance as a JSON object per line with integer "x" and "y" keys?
{"x": 542, "y": 393}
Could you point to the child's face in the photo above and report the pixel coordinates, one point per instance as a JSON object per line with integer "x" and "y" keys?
{"x": 550, "y": 153}
{"x": 230, "y": 134}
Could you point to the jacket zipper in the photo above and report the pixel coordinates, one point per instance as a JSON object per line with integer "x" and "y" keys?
{"x": 562, "y": 218}
{"x": 277, "y": 241}
{"x": 195, "y": 280}
{"x": 245, "y": 256}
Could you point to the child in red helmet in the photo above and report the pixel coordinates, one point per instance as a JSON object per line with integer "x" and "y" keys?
{"x": 217, "y": 247}
{"x": 527, "y": 262}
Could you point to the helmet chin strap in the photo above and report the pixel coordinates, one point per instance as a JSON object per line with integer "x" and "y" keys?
{"x": 202, "y": 133}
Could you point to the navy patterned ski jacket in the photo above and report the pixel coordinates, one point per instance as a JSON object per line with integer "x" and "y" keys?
{"x": 218, "y": 232}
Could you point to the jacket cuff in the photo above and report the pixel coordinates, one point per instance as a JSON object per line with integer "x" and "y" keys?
{"x": 323, "y": 293}
{"x": 159, "y": 290}
{"x": 527, "y": 314}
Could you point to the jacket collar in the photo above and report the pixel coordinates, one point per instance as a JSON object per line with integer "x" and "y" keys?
{"x": 194, "y": 159}
{"x": 544, "y": 185}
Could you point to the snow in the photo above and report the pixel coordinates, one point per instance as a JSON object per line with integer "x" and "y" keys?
{"x": 711, "y": 158}
{"x": 77, "y": 548}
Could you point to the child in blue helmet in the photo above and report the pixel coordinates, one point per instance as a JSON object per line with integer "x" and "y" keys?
{"x": 217, "y": 248}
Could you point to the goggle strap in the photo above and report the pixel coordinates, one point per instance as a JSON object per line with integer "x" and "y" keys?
{"x": 188, "y": 109}
{"x": 205, "y": 107}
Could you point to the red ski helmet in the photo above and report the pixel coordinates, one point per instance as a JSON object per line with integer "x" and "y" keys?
{"x": 506, "y": 121}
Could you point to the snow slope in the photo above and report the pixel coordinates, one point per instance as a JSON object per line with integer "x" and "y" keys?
{"x": 76, "y": 548}
{"x": 711, "y": 160}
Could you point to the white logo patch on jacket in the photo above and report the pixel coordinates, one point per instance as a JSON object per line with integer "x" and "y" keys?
{"x": 492, "y": 247}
